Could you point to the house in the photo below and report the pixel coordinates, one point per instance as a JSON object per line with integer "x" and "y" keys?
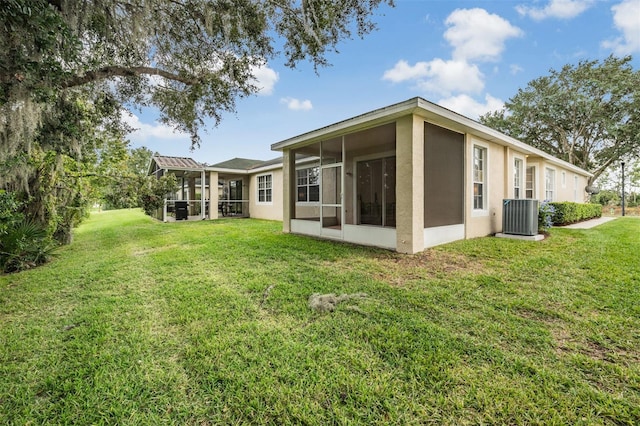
{"x": 230, "y": 197}
{"x": 405, "y": 177}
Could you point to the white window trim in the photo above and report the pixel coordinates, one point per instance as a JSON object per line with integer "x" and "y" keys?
{"x": 523, "y": 177}
{"x": 554, "y": 185}
{"x": 535, "y": 183}
{"x": 484, "y": 211}
{"x": 307, "y": 203}
{"x": 263, "y": 203}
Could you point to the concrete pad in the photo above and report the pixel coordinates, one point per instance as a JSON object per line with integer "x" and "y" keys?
{"x": 588, "y": 224}
{"x": 537, "y": 237}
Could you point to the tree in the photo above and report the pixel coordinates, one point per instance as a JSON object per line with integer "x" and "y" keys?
{"x": 191, "y": 59}
{"x": 121, "y": 175}
{"x": 587, "y": 114}
{"x": 67, "y": 68}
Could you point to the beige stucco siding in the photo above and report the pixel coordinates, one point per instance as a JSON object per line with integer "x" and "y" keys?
{"x": 573, "y": 187}
{"x": 274, "y": 209}
{"x": 568, "y": 185}
{"x": 489, "y": 219}
{"x": 410, "y": 184}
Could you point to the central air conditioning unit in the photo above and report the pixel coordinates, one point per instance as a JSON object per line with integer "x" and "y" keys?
{"x": 520, "y": 217}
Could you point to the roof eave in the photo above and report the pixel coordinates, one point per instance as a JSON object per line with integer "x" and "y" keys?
{"x": 430, "y": 112}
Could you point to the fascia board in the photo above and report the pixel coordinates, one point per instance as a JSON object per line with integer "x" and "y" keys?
{"x": 350, "y": 125}
{"x": 223, "y": 170}
{"x": 427, "y": 110}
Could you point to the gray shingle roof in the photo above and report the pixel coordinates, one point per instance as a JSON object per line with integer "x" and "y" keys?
{"x": 238, "y": 164}
{"x": 176, "y": 162}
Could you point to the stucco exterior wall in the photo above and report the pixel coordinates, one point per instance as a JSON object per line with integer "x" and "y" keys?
{"x": 410, "y": 184}
{"x": 487, "y": 221}
{"x": 573, "y": 188}
{"x": 567, "y": 187}
{"x": 274, "y": 209}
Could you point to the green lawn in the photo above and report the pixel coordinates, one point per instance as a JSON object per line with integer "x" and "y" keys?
{"x": 198, "y": 323}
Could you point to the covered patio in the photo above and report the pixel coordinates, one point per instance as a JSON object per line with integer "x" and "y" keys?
{"x": 191, "y": 200}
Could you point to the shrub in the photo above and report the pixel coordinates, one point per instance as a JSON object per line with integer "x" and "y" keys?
{"x": 153, "y": 192}
{"x": 566, "y": 212}
{"x": 25, "y": 244}
{"x": 9, "y": 211}
{"x": 545, "y": 216}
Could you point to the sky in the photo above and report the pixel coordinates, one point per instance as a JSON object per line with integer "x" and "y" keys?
{"x": 468, "y": 56}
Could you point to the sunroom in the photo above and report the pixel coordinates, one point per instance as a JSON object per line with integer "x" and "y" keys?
{"x": 389, "y": 179}
{"x": 411, "y": 176}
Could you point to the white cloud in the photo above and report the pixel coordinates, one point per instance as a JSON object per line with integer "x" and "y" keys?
{"x": 402, "y": 71}
{"x": 475, "y": 34}
{"x": 144, "y": 132}
{"x": 439, "y": 76}
{"x": 515, "y": 69}
{"x": 626, "y": 18}
{"x": 561, "y": 9}
{"x": 265, "y": 79}
{"x": 469, "y": 107}
{"x": 296, "y": 104}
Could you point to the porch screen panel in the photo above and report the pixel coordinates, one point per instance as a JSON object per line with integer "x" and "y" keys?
{"x": 443, "y": 177}
{"x": 376, "y": 192}
{"x": 309, "y": 175}
{"x": 331, "y": 197}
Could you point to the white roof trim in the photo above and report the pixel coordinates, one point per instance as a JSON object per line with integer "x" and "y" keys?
{"x": 223, "y": 170}
{"x": 430, "y": 112}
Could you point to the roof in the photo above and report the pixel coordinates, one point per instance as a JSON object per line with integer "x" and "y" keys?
{"x": 237, "y": 163}
{"x": 430, "y": 112}
{"x": 176, "y": 162}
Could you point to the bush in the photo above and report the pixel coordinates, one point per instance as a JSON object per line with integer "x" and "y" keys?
{"x": 9, "y": 211}
{"x": 567, "y": 212}
{"x": 25, "y": 244}
{"x": 154, "y": 191}
{"x": 545, "y": 216}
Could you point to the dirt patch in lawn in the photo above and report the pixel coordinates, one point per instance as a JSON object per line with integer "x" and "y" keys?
{"x": 398, "y": 269}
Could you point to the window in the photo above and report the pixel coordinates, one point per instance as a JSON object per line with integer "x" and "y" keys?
{"x": 479, "y": 177}
{"x": 308, "y": 185}
{"x": 549, "y": 184}
{"x": 264, "y": 188}
{"x": 517, "y": 178}
{"x": 530, "y": 183}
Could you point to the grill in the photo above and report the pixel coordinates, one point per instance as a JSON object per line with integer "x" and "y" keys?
{"x": 520, "y": 217}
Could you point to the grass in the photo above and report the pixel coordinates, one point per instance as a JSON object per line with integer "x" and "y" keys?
{"x": 139, "y": 322}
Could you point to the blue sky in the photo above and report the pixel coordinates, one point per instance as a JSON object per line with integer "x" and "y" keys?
{"x": 469, "y": 56}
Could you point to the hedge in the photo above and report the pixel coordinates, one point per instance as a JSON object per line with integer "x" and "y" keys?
{"x": 568, "y": 212}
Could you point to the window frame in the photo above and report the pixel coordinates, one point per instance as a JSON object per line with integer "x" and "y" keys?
{"x": 549, "y": 184}
{"x": 534, "y": 171}
{"x": 268, "y": 189}
{"x": 307, "y": 185}
{"x": 518, "y": 177}
{"x": 484, "y": 182}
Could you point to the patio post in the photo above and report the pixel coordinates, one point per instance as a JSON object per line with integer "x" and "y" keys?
{"x": 288, "y": 202}
{"x": 213, "y": 195}
{"x": 410, "y": 184}
{"x": 203, "y": 206}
